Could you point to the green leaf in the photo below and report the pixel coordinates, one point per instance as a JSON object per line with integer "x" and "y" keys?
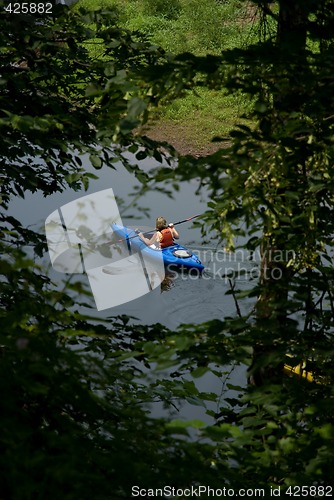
{"x": 96, "y": 161}
{"x": 178, "y": 423}
{"x": 200, "y": 371}
{"x": 136, "y": 107}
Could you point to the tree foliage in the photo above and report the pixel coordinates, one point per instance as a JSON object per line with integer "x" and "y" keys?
{"x": 75, "y": 390}
{"x": 273, "y": 184}
{"x": 58, "y": 99}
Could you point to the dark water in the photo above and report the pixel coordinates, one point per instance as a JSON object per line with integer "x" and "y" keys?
{"x": 184, "y": 298}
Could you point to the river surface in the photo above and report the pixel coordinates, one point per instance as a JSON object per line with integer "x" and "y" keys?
{"x": 184, "y": 299}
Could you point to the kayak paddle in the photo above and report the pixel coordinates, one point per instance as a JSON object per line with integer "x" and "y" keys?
{"x": 186, "y": 220}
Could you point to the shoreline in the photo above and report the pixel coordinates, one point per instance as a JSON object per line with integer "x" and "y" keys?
{"x": 183, "y": 138}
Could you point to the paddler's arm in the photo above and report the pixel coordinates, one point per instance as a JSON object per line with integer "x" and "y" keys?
{"x": 175, "y": 234}
{"x": 147, "y": 241}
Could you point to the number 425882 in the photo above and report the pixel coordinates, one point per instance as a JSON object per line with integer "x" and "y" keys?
{"x": 309, "y": 491}
{"x": 29, "y": 8}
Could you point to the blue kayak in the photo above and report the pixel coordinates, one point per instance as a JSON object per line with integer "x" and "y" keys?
{"x": 175, "y": 255}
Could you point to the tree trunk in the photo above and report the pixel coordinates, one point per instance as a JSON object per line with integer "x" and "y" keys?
{"x": 275, "y": 276}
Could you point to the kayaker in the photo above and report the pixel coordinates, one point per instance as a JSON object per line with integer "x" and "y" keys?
{"x": 164, "y": 235}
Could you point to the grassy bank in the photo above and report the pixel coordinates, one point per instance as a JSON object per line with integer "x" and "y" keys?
{"x": 200, "y": 27}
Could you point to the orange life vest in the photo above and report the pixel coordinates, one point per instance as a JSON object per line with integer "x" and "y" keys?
{"x": 167, "y": 238}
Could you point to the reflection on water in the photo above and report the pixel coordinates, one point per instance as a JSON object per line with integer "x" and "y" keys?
{"x": 168, "y": 282}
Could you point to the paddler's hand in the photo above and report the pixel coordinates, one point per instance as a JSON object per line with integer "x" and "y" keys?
{"x": 171, "y": 225}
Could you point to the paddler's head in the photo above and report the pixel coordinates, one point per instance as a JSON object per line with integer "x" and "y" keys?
{"x": 160, "y": 223}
